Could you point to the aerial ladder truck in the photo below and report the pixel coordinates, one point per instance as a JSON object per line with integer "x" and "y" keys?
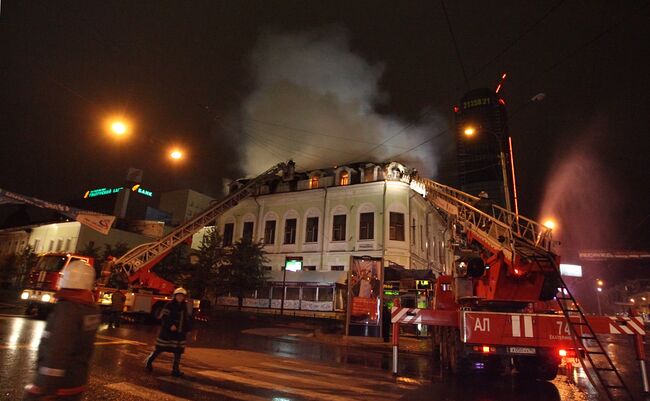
{"x": 504, "y": 301}
{"x": 147, "y": 292}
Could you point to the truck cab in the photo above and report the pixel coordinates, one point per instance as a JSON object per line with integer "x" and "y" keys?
{"x": 39, "y": 294}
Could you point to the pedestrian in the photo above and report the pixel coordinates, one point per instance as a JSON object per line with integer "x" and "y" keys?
{"x": 117, "y": 306}
{"x": 176, "y": 319}
{"x": 67, "y": 342}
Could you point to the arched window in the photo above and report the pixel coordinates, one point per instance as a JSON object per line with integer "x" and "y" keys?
{"x": 344, "y": 178}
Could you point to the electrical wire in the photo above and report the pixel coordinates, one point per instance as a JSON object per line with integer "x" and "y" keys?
{"x": 453, "y": 40}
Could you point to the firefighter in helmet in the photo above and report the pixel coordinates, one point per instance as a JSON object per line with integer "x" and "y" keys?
{"x": 67, "y": 342}
{"x": 176, "y": 319}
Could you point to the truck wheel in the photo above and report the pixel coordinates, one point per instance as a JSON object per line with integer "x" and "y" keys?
{"x": 493, "y": 366}
{"x": 541, "y": 368}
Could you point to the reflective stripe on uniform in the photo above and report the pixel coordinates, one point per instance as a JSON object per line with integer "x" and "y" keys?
{"x": 45, "y": 371}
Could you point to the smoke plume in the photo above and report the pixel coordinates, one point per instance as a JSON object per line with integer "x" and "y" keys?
{"x": 314, "y": 102}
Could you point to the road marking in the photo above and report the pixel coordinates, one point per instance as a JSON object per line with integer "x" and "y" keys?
{"x": 143, "y": 392}
{"x": 213, "y": 389}
{"x": 313, "y": 382}
{"x": 310, "y": 394}
{"x": 120, "y": 340}
{"x": 383, "y": 380}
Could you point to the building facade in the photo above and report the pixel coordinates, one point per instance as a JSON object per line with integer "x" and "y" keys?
{"x": 328, "y": 216}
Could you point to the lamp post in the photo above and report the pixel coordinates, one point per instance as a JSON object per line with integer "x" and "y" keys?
{"x": 469, "y": 131}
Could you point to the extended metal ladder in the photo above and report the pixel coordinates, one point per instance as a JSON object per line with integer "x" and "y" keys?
{"x": 144, "y": 254}
{"x": 518, "y": 236}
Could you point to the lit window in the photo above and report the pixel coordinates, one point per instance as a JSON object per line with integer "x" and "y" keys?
{"x": 313, "y": 182}
{"x": 344, "y": 178}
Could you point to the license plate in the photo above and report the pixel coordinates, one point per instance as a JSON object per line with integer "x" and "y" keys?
{"x": 521, "y": 350}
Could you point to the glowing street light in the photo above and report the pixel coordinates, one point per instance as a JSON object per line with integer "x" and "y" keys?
{"x": 600, "y": 282}
{"x": 469, "y": 130}
{"x": 599, "y": 289}
{"x": 119, "y": 128}
{"x": 176, "y": 154}
{"x": 550, "y": 224}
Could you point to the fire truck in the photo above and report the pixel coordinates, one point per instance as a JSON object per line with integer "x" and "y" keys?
{"x": 147, "y": 292}
{"x": 504, "y": 303}
{"x": 43, "y": 281}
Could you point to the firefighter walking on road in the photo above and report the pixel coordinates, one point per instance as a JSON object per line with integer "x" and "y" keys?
{"x": 68, "y": 339}
{"x": 176, "y": 318}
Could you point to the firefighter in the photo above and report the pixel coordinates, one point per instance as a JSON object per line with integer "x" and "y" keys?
{"x": 68, "y": 339}
{"x": 117, "y": 306}
{"x": 176, "y": 320}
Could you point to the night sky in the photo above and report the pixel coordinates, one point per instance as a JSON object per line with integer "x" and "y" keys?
{"x": 225, "y": 81}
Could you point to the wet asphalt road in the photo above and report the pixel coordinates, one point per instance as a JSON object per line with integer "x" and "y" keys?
{"x": 248, "y": 360}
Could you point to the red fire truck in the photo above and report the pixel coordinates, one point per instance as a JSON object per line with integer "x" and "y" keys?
{"x": 43, "y": 281}
{"x": 504, "y": 302}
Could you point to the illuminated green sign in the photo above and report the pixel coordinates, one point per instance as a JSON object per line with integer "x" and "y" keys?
{"x": 93, "y": 193}
{"x": 293, "y": 265}
{"x": 137, "y": 188}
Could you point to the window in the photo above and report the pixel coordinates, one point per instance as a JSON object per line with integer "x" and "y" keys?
{"x": 313, "y": 182}
{"x": 310, "y": 268}
{"x": 267, "y": 268}
{"x": 293, "y": 294}
{"x": 338, "y": 268}
{"x": 338, "y": 228}
{"x": 276, "y": 293}
{"x": 413, "y": 232}
{"x": 367, "y": 225}
{"x": 396, "y": 226}
{"x": 290, "y": 231}
{"x": 269, "y": 232}
{"x": 228, "y": 231}
{"x": 59, "y": 245}
{"x": 37, "y": 245}
{"x": 325, "y": 294}
{"x": 309, "y": 294}
{"x": 369, "y": 174}
{"x": 312, "y": 229}
{"x": 344, "y": 178}
{"x": 67, "y": 245}
{"x": 247, "y": 234}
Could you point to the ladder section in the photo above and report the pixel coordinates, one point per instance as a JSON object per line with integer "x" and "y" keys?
{"x": 500, "y": 225}
{"x": 139, "y": 256}
{"x": 600, "y": 366}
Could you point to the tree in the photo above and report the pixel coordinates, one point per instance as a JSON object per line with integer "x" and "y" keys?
{"x": 243, "y": 270}
{"x": 200, "y": 278}
{"x": 26, "y": 261}
{"x": 8, "y": 270}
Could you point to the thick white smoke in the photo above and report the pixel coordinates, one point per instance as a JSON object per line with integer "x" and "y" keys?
{"x": 313, "y": 101}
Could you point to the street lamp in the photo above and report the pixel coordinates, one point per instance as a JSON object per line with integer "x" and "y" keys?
{"x": 470, "y": 131}
{"x": 176, "y": 154}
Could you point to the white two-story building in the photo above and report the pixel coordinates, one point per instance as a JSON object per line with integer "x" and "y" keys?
{"x": 328, "y": 216}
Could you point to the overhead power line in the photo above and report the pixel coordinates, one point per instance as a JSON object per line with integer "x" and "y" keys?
{"x": 453, "y": 40}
